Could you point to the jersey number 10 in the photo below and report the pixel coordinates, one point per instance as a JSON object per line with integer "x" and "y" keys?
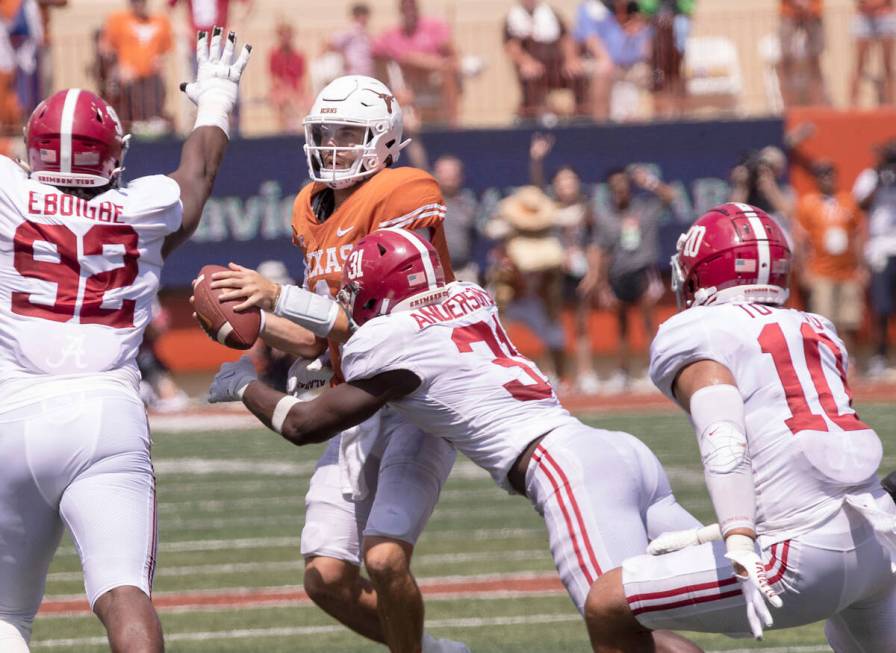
{"x": 773, "y": 342}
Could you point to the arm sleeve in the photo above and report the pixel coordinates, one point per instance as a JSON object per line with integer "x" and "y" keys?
{"x": 680, "y": 341}
{"x": 415, "y": 203}
{"x": 381, "y": 345}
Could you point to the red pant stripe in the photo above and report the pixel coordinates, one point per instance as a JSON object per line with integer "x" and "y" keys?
{"x": 575, "y": 506}
{"x": 569, "y": 527}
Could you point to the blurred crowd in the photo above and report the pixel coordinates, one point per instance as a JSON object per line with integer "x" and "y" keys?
{"x": 612, "y": 60}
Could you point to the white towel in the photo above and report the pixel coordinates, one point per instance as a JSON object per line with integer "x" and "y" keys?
{"x": 541, "y": 25}
{"x": 355, "y": 446}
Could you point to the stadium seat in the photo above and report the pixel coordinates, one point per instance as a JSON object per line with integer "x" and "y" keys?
{"x": 712, "y": 73}
{"x": 769, "y": 48}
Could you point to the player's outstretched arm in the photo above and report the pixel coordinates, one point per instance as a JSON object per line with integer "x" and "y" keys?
{"x": 708, "y": 391}
{"x": 214, "y": 92}
{"x": 335, "y": 410}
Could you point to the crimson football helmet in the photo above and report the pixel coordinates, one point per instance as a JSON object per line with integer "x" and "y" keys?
{"x": 390, "y": 270}
{"x": 732, "y": 252}
{"x": 74, "y": 138}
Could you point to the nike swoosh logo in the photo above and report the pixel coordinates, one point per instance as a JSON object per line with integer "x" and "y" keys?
{"x": 341, "y": 232}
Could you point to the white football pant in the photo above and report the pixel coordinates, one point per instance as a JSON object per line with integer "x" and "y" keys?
{"x": 603, "y": 496}
{"x": 80, "y": 461}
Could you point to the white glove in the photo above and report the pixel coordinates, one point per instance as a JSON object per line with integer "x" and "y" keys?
{"x": 755, "y": 587}
{"x": 307, "y": 378}
{"x": 677, "y": 540}
{"x": 217, "y": 79}
{"x": 231, "y": 380}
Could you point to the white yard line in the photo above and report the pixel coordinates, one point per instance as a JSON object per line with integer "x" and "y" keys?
{"x": 317, "y": 630}
{"x": 292, "y": 541}
{"x": 216, "y": 569}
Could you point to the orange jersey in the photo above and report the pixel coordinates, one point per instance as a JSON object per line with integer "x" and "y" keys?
{"x": 832, "y": 224}
{"x": 395, "y": 197}
{"x": 814, "y": 8}
{"x": 138, "y": 44}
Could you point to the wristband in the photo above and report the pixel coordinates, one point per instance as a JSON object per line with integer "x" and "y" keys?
{"x": 740, "y": 543}
{"x": 313, "y": 312}
{"x": 212, "y": 114}
{"x": 281, "y": 410}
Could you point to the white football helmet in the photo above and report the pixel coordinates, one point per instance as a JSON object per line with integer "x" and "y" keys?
{"x": 353, "y": 131}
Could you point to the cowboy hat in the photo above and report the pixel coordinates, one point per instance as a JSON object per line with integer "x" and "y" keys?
{"x": 528, "y": 209}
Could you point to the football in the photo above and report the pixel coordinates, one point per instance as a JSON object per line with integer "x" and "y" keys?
{"x": 220, "y": 321}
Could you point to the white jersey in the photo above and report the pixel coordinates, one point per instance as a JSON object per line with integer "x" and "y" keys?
{"x": 77, "y": 280}
{"x": 476, "y": 391}
{"x": 807, "y": 444}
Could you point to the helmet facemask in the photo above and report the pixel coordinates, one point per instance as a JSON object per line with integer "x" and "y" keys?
{"x": 341, "y": 153}
{"x": 359, "y": 104}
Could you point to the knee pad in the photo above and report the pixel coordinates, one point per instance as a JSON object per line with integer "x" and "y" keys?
{"x": 13, "y": 637}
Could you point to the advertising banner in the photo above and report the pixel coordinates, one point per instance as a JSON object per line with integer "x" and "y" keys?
{"x": 248, "y": 218}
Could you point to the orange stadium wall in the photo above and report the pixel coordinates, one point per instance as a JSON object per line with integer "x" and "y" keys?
{"x": 847, "y": 137}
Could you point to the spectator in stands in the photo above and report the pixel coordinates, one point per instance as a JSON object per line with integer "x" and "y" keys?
{"x": 26, "y": 34}
{"x": 205, "y": 15}
{"x": 526, "y": 274}
{"x": 875, "y": 191}
{"x": 619, "y": 42}
{"x": 354, "y": 43}
{"x": 671, "y": 22}
{"x": 830, "y": 232}
{"x": 10, "y": 109}
{"x": 573, "y": 225}
{"x": 421, "y": 64}
{"x": 44, "y": 63}
{"x": 138, "y": 41}
{"x": 102, "y": 70}
{"x": 462, "y": 208}
{"x": 461, "y": 216}
{"x": 286, "y": 66}
{"x": 544, "y": 55}
{"x": 801, "y": 34}
{"x": 874, "y": 25}
{"x": 758, "y": 180}
{"x": 627, "y": 239}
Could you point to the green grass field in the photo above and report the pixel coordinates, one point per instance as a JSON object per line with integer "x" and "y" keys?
{"x": 231, "y": 508}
